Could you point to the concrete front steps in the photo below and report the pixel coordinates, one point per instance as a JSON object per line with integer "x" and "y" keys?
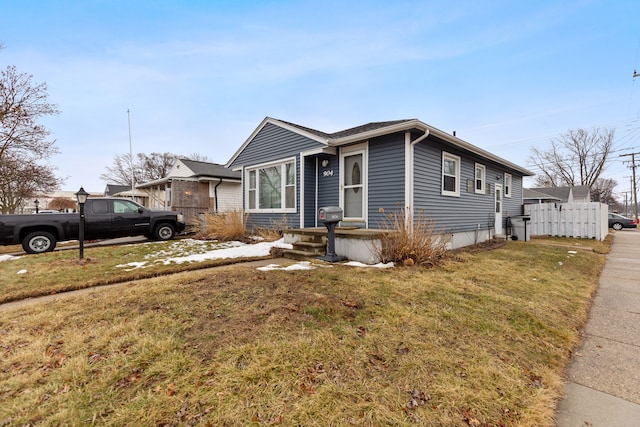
{"x": 310, "y": 246}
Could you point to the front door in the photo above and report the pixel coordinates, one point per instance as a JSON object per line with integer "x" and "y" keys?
{"x": 353, "y": 181}
{"x": 498, "y": 200}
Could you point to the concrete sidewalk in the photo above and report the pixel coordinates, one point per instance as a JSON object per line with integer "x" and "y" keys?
{"x": 603, "y": 379}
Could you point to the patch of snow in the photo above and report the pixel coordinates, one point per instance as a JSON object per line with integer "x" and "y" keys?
{"x": 378, "y": 265}
{"x": 303, "y": 265}
{"x": 22, "y": 272}
{"x": 134, "y": 265}
{"x": 8, "y": 258}
{"x": 233, "y": 250}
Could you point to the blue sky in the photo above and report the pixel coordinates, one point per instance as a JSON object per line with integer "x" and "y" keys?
{"x": 199, "y": 76}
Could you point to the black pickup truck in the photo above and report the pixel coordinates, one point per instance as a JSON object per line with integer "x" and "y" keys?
{"x": 105, "y": 218}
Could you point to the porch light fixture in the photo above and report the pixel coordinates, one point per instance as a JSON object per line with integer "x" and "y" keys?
{"x": 81, "y": 195}
{"x": 325, "y": 163}
{"x": 36, "y": 202}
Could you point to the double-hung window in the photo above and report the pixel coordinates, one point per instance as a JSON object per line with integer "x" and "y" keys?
{"x": 507, "y": 185}
{"x": 481, "y": 173}
{"x": 450, "y": 175}
{"x": 272, "y": 187}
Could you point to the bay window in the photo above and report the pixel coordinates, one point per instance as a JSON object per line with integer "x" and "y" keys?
{"x": 272, "y": 188}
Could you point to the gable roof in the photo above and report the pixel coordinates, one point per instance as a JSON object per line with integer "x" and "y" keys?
{"x": 113, "y": 189}
{"x": 199, "y": 170}
{"x": 579, "y": 192}
{"x": 532, "y": 194}
{"x": 206, "y": 169}
{"x": 375, "y": 129}
{"x": 348, "y": 132}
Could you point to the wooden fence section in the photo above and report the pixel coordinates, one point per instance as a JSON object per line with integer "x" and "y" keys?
{"x": 584, "y": 220}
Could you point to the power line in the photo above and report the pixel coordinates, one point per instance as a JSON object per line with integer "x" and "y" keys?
{"x": 635, "y": 192}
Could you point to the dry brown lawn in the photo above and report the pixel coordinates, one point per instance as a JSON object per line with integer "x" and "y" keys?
{"x": 481, "y": 340}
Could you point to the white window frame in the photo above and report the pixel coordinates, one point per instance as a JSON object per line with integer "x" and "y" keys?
{"x": 283, "y": 187}
{"x": 508, "y": 183}
{"x": 482, "y": 179}
{"x": 450, "y": 157}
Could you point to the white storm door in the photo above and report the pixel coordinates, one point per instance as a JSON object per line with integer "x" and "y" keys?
{"x": 498, "y": 203}
{"x": 353, "y": 185}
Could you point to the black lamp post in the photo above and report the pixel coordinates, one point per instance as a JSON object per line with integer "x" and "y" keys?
{"x": 36, "y": 202}
{"x": 81, "y": 195}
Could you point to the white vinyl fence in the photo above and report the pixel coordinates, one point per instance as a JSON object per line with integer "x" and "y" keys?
{"x": 585, "y": 220}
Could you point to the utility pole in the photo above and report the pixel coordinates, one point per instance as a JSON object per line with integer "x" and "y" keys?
{"x": 626, "y": 202}
{"x": 130, "y": 154}
{"x": 635, "y": 192}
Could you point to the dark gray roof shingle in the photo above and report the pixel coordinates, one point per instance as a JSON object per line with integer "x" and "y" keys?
{"x": 210, "y": 169}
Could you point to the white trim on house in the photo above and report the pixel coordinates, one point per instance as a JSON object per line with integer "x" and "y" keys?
{"x": 362, "y": 148}
{"x": 300, "y": 186}
{"x": 408, "y": 178}
{"x": 483, "y": 178}
{"x": 282, "y": 163}
{"x": 508, "y": 184}
{"x": 457, "y": 159}
{"x": 398, "y": 127}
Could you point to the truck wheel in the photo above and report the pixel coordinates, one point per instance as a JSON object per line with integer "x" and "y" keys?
{"x": 39, "y": 242}
{"x": 164, "y": 232}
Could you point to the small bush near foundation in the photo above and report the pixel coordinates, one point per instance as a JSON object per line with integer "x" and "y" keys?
{"x": 402, "y": 245}
{"x": 274, "y": 231}
{"x": 224, "y": 226}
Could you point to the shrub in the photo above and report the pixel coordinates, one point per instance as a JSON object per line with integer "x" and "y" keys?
{"x": 274, "y": 231}
{"x": 224, "y": 226}
{"x": 422, "y": 246}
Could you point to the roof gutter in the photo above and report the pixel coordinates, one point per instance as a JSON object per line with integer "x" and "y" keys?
{"x": 479, "y": 151}
{"x": 422, "y": 137}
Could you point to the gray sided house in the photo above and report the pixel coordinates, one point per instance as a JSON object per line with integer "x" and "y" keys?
{"x": 404, "y": 167}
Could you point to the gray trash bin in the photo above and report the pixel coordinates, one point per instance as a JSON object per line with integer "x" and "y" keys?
{"x": 520, "y": 228}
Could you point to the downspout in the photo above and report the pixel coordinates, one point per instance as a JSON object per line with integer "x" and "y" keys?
{"x": 411, "y": 171}
{"x": 215, "y": 195}
{"x": 315, "y": 222}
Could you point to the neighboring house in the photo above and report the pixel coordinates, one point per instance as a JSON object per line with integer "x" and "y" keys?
{"x": 290, "y": 171}
{"x": 116, "y": 190}
{"x": 576, "y": 194}
{"x": 531, "y": 197}
{"x": 194, "y": 187}
{"x": 45, "y": 199}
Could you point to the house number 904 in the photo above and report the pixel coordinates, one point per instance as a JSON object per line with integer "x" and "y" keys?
{"x": 327, "y": 173}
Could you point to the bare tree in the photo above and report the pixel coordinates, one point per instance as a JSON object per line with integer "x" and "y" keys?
{"x": 61, "y": 203}
{"x": 120, "y": 171}
{"x": 24, "y": 143}
{"x": 146, "y": 167}
{"x": 602, "y": 190}
{"x": 577, "y": 157}
{"x": 22, "y": 179}
{"x": 196, "y": 157}
{"x": 156, "y": 165}
{"x": 22, "y": 104}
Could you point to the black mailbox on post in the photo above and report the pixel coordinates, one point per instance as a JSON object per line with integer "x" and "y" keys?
{"x": 331, "y": 216}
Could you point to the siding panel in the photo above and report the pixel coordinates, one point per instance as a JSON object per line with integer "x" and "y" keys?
{"x": 386, "y": 177}
{"x": 470, "y": 210}
{"x": 273, "y": 143}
